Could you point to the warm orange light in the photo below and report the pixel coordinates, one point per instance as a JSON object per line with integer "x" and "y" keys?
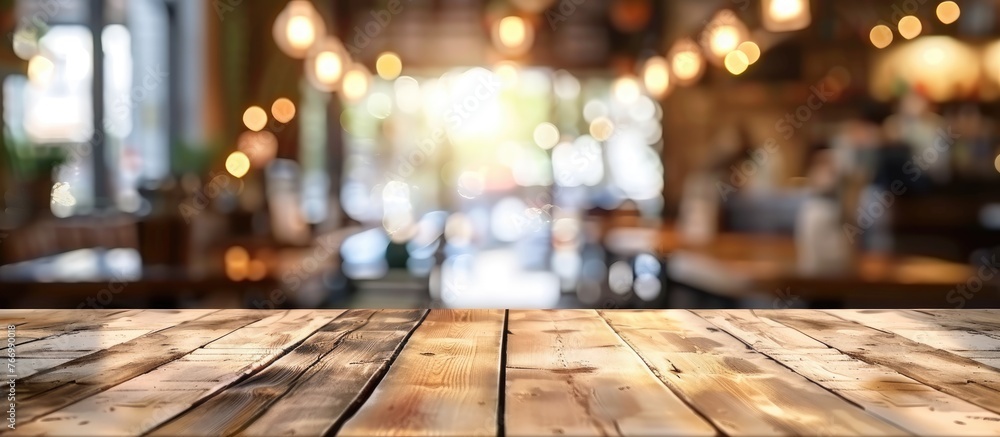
{"x": 283, "y": 110}
{"x": 300, "y": 32}
{"x": 724, "y": 39}
{"x": 910, "y": 27}
{"x": 948, "y": 12}
{"x": 388, "y": 66}
{"x": 326, "y": 64}
{"x": 786, "y": 15}
{"x": 356, "y": 83}
{"x": 626, "y": 89}
{"x": 254, "y": 118}
{"x": 881, "y": 36}
{"x": 656, "y": 76}
{"x": 297, "y": 28}
{"x": 686, "y": 62}
{"x": 751, "y": 50}
{"x": 737, "y": 62}
{"x": 513, "y": 35}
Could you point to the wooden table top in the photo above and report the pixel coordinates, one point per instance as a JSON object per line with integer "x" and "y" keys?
{"x": 496, "y": 372}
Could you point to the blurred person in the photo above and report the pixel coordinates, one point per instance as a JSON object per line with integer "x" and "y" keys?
{"x": 819, "y": 241}
{"x": 918, "y": 126}
{"x": 741, "y": 169}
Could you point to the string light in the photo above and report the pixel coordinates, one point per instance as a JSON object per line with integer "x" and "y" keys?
{"x": 910, "y": 27}
{"x": 656, "y": 76}
{"x": 786, "y": 15}
{"x": 297, "y": 28}
{"x": 388, "y": 66}
{"x": 948, "y": 12}
{"x": 326, "y": 64}
{"x": 881, "y": 36}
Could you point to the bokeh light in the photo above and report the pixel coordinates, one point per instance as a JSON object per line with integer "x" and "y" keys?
{"x": 948, "y": 12}
{"x": 326, "y": 64}
{"x": 881, "y": 36}
{"x": 40, "y": 70}
{"x": 751, "y": 50}
{"x": 910, "y": 27}
{"x": 254, "y": 118}
{"x": 356, "y": 83}
{"x": 297, "y": 28}
{"x": 546, "y": 135}
{"x": 626, "y": 89}
{"x": 238, "y": 164}
{"x": 388, "y": 66}
{"x": 283, "y": 110}
{"x": 512, "y": 35}
{"x": 686, "y": 62}
{"x": 602, "y": 128}
{"x": 656, "y": 76}
{"x": 737, "y": 62}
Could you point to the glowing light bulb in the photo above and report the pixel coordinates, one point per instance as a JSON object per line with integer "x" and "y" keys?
{"x": 297, "y": 28}
{"x": 512, "y": 35}
{"x": 300, "y": 32}
{"x": 656, "y": 76}
{"x": 784, "y": 10}
{"x": 724, "y": 39}
{"x": 329, "y": 67}
{"x": 512, "y": 31}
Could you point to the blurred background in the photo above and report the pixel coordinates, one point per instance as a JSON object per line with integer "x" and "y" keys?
{"x": 500, "y": 153}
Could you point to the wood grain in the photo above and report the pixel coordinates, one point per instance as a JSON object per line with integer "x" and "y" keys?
{"x": 885, "y": 393}
{"x": 54, "y": 388}
{"x": 741, "y": 391}
{"x": 568, "y": 373}
{"x": 956, "y": 375}
{"x": 295, "y": 374}
{"x": 458, "y": 372}
{"x": 187, "y": 380}
{"x": 446, "y": 380}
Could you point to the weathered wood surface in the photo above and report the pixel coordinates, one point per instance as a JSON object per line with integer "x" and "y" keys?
{"x": 568, "y": 373}
{"x": 495, "y": 372}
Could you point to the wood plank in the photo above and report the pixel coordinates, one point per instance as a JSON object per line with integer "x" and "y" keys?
{"x": 568, "y": 373}
{"x": 50, "y": 390}
{"x": 445, "y": 380}
{"x": 325, "y": 375}
{"x": 899, "y": 400}
{"x": 134, "y": 407}
{"x": 55, "y": 328}
{"x": 958, "y": 376}
{"x": 323, "y": 398}
{"x": 743, "y": 392}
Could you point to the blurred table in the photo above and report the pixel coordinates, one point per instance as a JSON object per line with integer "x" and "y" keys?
{"x": 116, "y": 278}
{"x": 763, "y": 269}
{"x": 497, "y": 372}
